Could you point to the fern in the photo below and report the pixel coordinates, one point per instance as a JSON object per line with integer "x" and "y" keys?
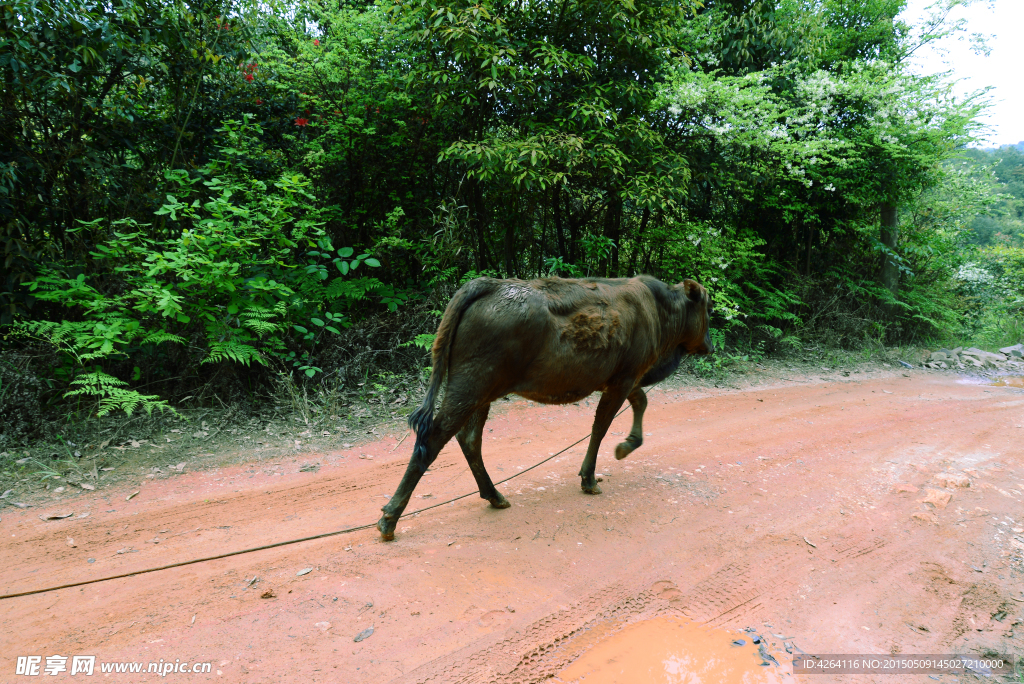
{"x": 231, "y": 350}
{"x": 259, "y": 319}
{"x": 162, "y": 336}
{"x": 356, "y": 289}
{"x": 113, "y": 396}
{"x": 423, "y": 341}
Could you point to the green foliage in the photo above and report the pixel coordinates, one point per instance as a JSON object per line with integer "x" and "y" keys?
{"x": 243, "y": 276}
{"x": 191, "y": 187}
{"x": 424, "y": 341}
{"x": 112, "y": 394}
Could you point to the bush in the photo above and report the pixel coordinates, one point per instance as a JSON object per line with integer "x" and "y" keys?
{"x": 234, "y": 270}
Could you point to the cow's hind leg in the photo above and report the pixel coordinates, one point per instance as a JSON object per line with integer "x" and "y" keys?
{"x": 638, "y": 400}
{"x": 445, "y": 425}
{"x": 610, "y": 402}
{"x": 471, "y": 438}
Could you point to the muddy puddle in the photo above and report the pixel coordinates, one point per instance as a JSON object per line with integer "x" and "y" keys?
{"x": 1009, "y": 381}
{"x": 669, "y": 650}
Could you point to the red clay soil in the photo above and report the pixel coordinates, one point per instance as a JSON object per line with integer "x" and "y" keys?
{"x": 878, "y": 513}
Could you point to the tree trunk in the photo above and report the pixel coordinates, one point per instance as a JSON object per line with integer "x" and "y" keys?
{"x": 810, "y": 239}
{"x": 890, "y": 275}
{"x": 559, "y": 231}
{"x": 510, "y": 248}
{"x": 637, "y": 242}
{"x": 612, "y": 230}
{"x": 478, "y": 221}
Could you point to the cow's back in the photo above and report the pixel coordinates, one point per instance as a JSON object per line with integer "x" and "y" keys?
{"x": 557, "y": 340}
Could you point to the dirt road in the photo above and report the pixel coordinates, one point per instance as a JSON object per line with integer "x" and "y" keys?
{"x": 876, "y": 513}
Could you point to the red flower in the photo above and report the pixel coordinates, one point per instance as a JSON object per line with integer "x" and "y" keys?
{"x": 316, "y": 42}
{"x": 299, "y": 121}
{"x": 259, "y": 100}
{"x": 248, "y": 77}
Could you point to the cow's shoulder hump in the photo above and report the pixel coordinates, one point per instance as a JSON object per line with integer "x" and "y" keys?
{"x": 664, "y": 296}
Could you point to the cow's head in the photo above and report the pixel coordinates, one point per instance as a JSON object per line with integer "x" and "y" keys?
{"x": 697, "y": 338}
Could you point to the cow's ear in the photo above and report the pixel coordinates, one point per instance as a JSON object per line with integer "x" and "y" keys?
{"x": 694, "y": 291}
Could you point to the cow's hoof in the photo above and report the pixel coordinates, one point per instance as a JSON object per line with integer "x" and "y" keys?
{"x": 499, "y": 501}
{"x": 627, "y": 447}
{"x": 387, "y": 529}
{"x": 591, "y": 489}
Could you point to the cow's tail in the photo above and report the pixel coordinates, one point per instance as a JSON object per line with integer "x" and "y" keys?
{"x": 422, "y": 419}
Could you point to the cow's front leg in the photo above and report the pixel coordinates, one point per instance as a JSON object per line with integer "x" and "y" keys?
{"x": 610, "y": 402}
{"x": 638, "y": 400}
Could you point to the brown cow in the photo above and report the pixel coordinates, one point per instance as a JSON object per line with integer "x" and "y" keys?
{"x": 554, "y": 341}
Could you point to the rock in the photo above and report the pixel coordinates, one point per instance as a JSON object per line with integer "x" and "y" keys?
{"x": 901, "y": 488}
{"x": 939, "y": 356}
{"x": 925, "y": 516}
{"x": 953, "y": 480}
{"x": 267, "y": 593}
{"x": 902, "y": 363}
{"x": 936, "y": 498}
{"x": 984, "y": 355}
{"x": 1016, "y": 350}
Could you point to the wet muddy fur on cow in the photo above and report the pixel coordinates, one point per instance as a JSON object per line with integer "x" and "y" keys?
{"x": 553, "y": 341}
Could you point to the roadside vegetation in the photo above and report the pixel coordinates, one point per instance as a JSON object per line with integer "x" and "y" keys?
{"x": 259, "y": 210}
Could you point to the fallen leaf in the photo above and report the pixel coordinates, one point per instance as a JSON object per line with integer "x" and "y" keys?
{"x": 131, "y": 496}
{"x": 365, "y": 634}
{"x": 268, "y": 593}
{"x": 21, "y": 505}
{"x": 4, "y": 495}
{"x": 180, "y": 467}
{"x": 55, "y": 516}
{"x": 810, "y": 543}
{"x": 901, "y": 488}
{"x": 306, "y": 571}
{"x": 86, "y": 485}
